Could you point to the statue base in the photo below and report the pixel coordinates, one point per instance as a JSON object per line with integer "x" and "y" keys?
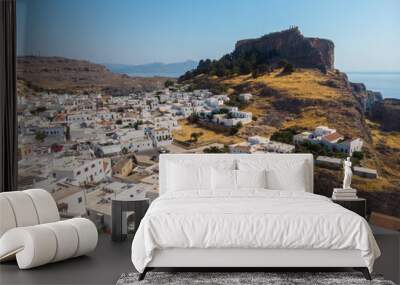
{"x": 343, "y": 194}
{"x": 344, "y": 190}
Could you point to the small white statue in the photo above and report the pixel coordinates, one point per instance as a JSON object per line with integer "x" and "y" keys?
{"x": 347, "y": 174}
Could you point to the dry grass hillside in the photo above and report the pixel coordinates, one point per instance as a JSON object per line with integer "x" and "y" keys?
{"x": 308, "y": 98}
{"x": 208, "y": 136}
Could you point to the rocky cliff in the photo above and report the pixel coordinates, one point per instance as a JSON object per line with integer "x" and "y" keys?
{"x": 288, "y": 48}
{"x": 60, "y": 74}
{"x": 291, "y": 45}
{"x": 367, "y": 98}
{"x": 387, "y": 112}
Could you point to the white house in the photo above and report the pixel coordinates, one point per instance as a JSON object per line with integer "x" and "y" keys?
{"x": 53, "y": 131}
{"x": 350, "y": 146}
{"x": 78, "y": 118}
{"x": 70, "y": 199}
{"x": 258, "y": 144}
{"x": 302, "y": 137}
{"x": 232, "y": 118}
{"x": 331, "y": 139}
{"x": 214, "y": 102}
{"x": 245, "y": 97}
{"x": 166, "y": 121}
{"x": 83, "y": 171}
{"x": 323, "y": 130}
{"x": 107, "y": 149}
{"x": 161, "y": 137}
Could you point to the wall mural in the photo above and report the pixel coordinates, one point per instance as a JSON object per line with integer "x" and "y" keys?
{"x": 99, "y": 99}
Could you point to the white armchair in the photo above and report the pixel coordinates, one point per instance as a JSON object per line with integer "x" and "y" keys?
{"x": 31, "y": 230}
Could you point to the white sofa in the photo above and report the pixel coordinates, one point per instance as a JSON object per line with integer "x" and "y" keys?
{"x": 31, "y": 231}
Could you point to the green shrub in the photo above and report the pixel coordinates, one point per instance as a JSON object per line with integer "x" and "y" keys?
{"x": 285, "y": 135}
{"x": 358, "y": 155}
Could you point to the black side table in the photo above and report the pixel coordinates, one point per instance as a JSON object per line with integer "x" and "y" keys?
{"x": 118, "y": 207}
{"x": 388, "y": 264}
{"x": 357, "y": 205}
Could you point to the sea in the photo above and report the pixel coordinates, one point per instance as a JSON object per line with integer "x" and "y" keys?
{"x": 388, "y": 83}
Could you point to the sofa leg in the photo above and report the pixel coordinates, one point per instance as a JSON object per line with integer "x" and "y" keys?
{"x": 143, "y": 274}
{"x": 364, "y": 271}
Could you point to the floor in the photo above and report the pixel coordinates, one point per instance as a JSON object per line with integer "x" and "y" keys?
{"x": 111, "y": 259}
{"x": 103, "y": 266}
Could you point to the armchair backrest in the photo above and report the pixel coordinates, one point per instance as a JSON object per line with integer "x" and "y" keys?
{"x": 26, "y": 208}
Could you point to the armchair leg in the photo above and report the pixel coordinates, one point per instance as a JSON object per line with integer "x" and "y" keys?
{"x": 364, "y": 271}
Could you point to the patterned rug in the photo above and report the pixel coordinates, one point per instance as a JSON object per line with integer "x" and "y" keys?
{"x": 243, "y": 278}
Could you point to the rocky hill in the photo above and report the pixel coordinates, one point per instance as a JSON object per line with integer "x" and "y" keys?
{"x": 69, "y": 75}
{"x": 280, "y": 49}
{"x": 292, "y": 46}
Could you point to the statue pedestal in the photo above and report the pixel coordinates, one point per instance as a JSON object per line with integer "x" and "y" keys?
{"x": 344, "y": 190}
{"x": 344, "y": 194}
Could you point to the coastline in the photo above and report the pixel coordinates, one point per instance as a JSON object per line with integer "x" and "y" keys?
{"x": 387, "y": 83}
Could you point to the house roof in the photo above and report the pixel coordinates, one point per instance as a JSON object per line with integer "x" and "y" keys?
{"x": 333, "y": 137}
{"x": 121, "y": 164}
{"x": 65, "y": 190}
{"x": 329, "y": 159}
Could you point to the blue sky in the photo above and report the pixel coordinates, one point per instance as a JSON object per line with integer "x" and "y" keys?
{"x": 365, "y": 32}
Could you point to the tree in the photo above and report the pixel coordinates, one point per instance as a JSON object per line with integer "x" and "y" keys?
{"x": 195, "y": 136}
{"x": 193, "y": 118}
{"x": 68, "y": 133}
{"x": 234, "y": 130}
{"x": 282, "y": 63}
{"x": 40, "y": 136}
{"x": 358, "y": 155}
{"x": 245, "y": 67}
{"x": 288, "y": 69}
{"x": 215, "y": 149}
{"x": 168, "y": 83}
{"x": 285, "y": 135}
{"x": 40, "y": 109}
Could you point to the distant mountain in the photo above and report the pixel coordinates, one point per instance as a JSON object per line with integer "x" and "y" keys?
{"x": 60, "y": 74}
{"x": 154, "y": 69}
